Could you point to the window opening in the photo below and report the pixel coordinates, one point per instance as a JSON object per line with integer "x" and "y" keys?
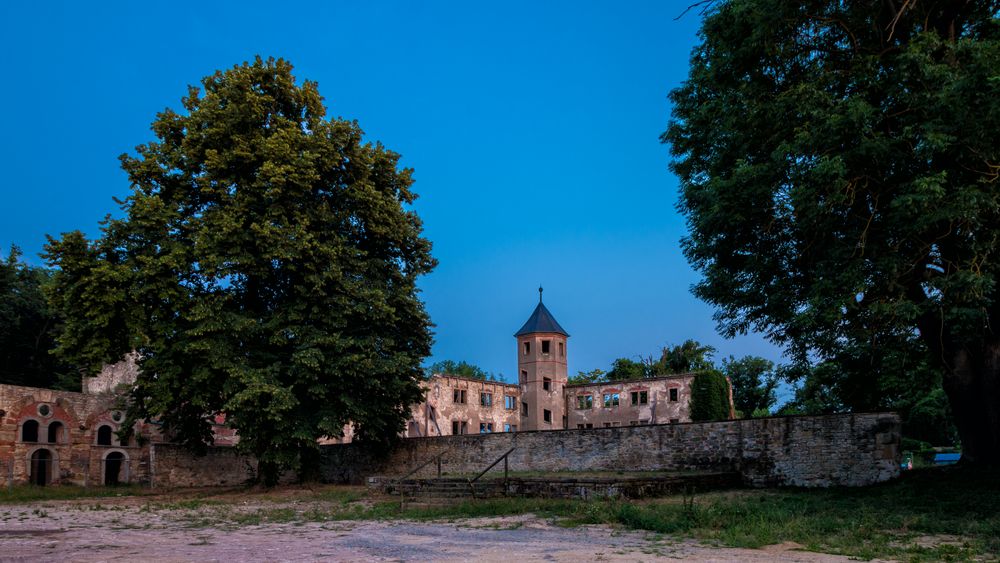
{"x": 611, "y": 400}
{"x": 524, "y": 408}
{"x": 55, "y": 432}
{"x": 673, "y": 394}
{"x": 547, "y": 416}
{"x": 104, "y": 435}
{"x": 545, "y": 346}
{"x": 486, "y": 399}
{"x": 459, "y": 395}
{"x": 29, "y": 431}
{"x": 527, "y": 348}
{"x": 640, "y": 397}
{"x": 509, "y": 402}
{"x": 485, "y": 427}
{"x": 562, "y": 350}
{"x": 546, "y": 384}
{"x": 585, "y": 402}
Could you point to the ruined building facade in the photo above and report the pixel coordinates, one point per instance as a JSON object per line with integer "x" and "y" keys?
{"x": 543, "y": 399}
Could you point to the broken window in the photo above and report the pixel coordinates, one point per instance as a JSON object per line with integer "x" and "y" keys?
{"x": 585, "y": 402}
{"x": 459, "y": 427}
{"x": 485, "y": 427}
{"x": 545, "y": 346}
{"x": 547, "y": 416}
{"x": 673, "y": 394}
{"x": 509, "y": 402}
{"x": 486, "y": 399}
{"x": 510, "y": 428}
{"x": 524, "y": 408}
{"x": 104, "y": 435}
{"x": 611, "y": 400}
{"x": 546, "y": 384}
{"x": 29, "y": 431}
{"x": 459, "y": 395}
{"x": 640, "y": 397}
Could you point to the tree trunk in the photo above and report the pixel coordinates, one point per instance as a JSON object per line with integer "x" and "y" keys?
{"x": 972, "y": 383}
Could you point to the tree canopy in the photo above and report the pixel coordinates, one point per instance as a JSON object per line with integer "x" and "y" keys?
{"x": 28, "y": 329}
{"x": 755, "y": 384}
{"x": 264, "y": 267}
{"x": 839, "y": 167}
{"x": 460, "y": 368}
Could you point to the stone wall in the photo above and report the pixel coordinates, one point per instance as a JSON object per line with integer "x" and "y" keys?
{"x": 804, "y": 451}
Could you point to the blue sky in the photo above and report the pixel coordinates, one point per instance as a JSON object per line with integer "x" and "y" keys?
{"x": 532, "y": 128}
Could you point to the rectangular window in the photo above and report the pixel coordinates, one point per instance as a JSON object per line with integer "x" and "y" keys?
{"x": 640, "y": 397}
{"x": 546, "y": 384}
{"x": 644, "y": 421}
{"x": 673, "y": 394}
{"x": 524, "y": 375}
{"x": 607, "y": 425}
{"x": 459, "y": 427}
{"x": 524, "y": 408}
{"x": 527, "y": 348}
{"x": 633, "y": 423}
{"x": 562, "y": 350}
{"x": 486, "y": 399}
{"x": 485, "y": 427}
{"x": 459, "y": 395}
{"x": 611, "y": 400}
{"x": 509, "y": 402}
{"x": 590, "y": 426}
{"x": 545, "y": 346}
{"x": 510, "y": 428}
{"x": 674, "y": 420}
{"x": 585, "y": 402}
{"x": 616, "y": 423}
{"x": 547, "y": 416}
{"x": 579, "y": 427}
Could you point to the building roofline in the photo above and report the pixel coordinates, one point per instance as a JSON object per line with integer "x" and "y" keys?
{"x": 637, "y": 380}
{"x": 472, "y": 379}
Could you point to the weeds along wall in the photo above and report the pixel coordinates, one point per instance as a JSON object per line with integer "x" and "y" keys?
{"x": 805, "y": 451}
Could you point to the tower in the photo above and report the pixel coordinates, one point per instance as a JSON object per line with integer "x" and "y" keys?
{"x": 541, "y": 368}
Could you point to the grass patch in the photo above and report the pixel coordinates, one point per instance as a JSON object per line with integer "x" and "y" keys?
{"x": 32, "y": 493}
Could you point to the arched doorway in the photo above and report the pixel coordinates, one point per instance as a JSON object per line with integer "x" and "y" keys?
{"x": 41, "y": 467}
{"x": 113, "y": 468}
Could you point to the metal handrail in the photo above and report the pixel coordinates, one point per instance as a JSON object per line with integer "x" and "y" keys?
{"x": 398, "y": 482}
{"x": 502, "y": 458}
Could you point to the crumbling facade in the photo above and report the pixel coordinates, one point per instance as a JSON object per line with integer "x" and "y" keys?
{"x": 543, "y": 399}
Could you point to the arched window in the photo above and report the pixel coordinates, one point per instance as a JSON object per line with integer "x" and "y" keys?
{"x": 55, "y": 432}
{"x": 104, "y": 435}
{"x": 29, "y": 431}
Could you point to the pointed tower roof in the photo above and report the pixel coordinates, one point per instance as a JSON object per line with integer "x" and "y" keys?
{"x": 541, "y": 320}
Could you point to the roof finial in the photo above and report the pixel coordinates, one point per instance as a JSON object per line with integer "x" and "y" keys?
{"x": 539, "y": 293}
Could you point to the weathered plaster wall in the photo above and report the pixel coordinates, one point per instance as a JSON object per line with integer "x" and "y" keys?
{"x": 434, "y": 417}
{"x": 658, "y": 408}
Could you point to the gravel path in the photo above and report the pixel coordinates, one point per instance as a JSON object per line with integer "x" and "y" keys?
{"x": 128, "y": 531}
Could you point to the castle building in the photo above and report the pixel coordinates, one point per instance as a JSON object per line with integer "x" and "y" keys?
{"x": 543, "y": 398}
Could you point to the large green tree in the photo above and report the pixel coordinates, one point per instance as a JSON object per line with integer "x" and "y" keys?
{"x": 264, "y": 267}
{"x": 755, "y": 384}
{"x": 28, "y": 328}
{"x": 840, "y": 172}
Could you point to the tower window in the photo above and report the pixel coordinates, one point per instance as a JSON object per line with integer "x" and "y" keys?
{"x": 545, "y": 346}
{"x": 547, "y": 416}
{"x": 562, "y": 350}
{"x": 527, "y": 348}
{"x": 524, "y": 375}
{"x": 546, "y": 384}
{"x": 524, "y": 408}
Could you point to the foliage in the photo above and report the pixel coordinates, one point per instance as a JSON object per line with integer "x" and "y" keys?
{"x": 839, "y": 166}
{"x": 28, "y": 329}
{"x": 584, "y": 377}
{"x": 461, "y": 368}
{"x": 687, "y": 357}
{"x": 755, "y": 384}
{"x": 709, "y": 396}
{"x": 624, "y": 369}
{"x": 265, "y": 267}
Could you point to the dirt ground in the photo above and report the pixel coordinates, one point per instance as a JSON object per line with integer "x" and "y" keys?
{"x": 138, "y": 529}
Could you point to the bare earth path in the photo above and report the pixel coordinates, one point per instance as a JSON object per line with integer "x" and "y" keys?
{"x": 131, "y": 531}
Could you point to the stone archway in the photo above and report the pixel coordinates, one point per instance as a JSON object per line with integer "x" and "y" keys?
{"x": 41, "y": 467}
{"x": 114, "y": 468}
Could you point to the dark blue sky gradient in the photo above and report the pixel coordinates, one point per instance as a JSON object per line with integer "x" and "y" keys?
{"x": 532, "y": 128}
